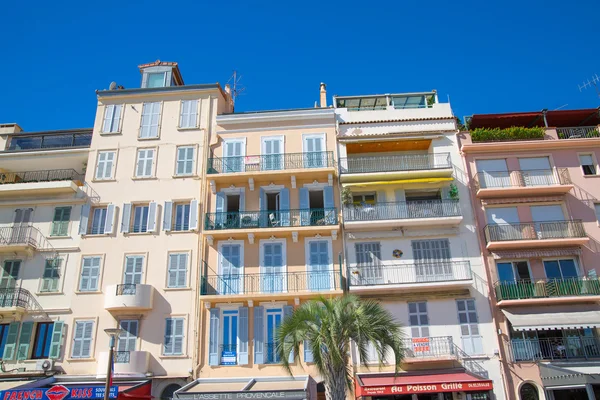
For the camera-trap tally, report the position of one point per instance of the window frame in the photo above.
(113, 167)
(185, 161)
(185, 215)
(597, 210)
(91, 340)
(418, 314)
(143, 217)
(196, 124)
(594, 163)
(275, 309)
(64, 223)
(578, 269)
(178, 270)
(3, 338)
(6, 276)
(56, 269)
(173, 337)
(113, 129)
(153, 161)
(126, 256)
(98, 278)
(141, 128)
(102, 224)
(47, 342)
(164, 79)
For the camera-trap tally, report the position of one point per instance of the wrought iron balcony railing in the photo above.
(20, 235)
(17, 297)
(529, 178)
(125, 289)
(403, 210)
(270, 219)
(395, 163)
(278, 282)
(578, 132)
(270, 162)
(534, 231)
(30, 142)
(122, 357)
(547, 288)
(52, 175)
(418, 272)
(558, 348)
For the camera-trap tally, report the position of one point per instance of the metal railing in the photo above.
(141, 227)
(418, 272)
(559, 348)
(20, 235)
(403, 210)
(125, 289)
(547, 288)
(428, 347)
(16, 297)
(270, 162)
(122, 357)
(270, 219)
(578, 132)
(393, 163)
(228, 355)
(51, 175)
(529, 178)
(534, 231)
(27, 142)
(278, 282)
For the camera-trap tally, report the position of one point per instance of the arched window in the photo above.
(528, 392)
(167, 393)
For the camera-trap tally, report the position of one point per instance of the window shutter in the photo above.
(304, 207)
(194, 215)
(108, 116)
(11, 341)
(381, 196)
(328, 197)
(183, 114)
(259, 333)
(152, 216)
(193, 110)
(287, 313)
(126, 217)
(182, 270)
(110, 219)
(168, 215)
(243, 336)
(284, 206)
(24, 340)
(87, 341)
(83, 220)
(219, 216)
(308, 355)
(178, 334)
(57, 335)
(213, 346)
(173, 263)
(168, 340)
(399, 193)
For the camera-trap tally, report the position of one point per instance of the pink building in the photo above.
(535, 185)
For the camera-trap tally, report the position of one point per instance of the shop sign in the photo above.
(424, 388)
(274, 395)
(228, 358)
(59, 392)
(420, 345)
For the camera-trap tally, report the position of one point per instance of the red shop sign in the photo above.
(423, 388)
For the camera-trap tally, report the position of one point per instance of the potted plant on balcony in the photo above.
(346, 197)
(453, 192)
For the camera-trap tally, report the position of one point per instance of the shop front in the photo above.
(571, 381)
(457, 385)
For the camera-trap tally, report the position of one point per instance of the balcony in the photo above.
(578, 132)
(296, 284)
(224, 168)
(46, 182)
(48, 141)
(16, 238)
(548, 290)
(437, 348)
(260, 221)
(420, 275)
(16, 301)
(392, 167)
(535, 234)
(497, 184)
(555, 348)
(129, 297)
(403, 213)
(126, 364)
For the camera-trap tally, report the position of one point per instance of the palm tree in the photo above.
(328, 326)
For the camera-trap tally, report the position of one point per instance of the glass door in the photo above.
(127, 340)
(319, 274)
(272, 280)
(229, 274)
(432, 260)
(369, 270)
(233, 160)
(314, 155)
(230, 336)
(272, 153)
(274, 318)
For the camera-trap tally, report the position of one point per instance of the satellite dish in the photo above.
(113, 86)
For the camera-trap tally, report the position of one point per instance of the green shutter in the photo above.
(11, 341)
(24, 340)
(57, 335)
(60, 222)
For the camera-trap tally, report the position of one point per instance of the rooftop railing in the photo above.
(578, 132)
(271, 162)
(528, 178)
(534, 231)
(30, 142)
(547, 288)
(394, 163)
(270, 219)
(51, 175)
(403, 210)
(556, 348)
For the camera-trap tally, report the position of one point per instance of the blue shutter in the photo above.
(381, 196)
(243, 336)
(83, 220)
(308, 355)
(329, 204)
(304, 207)
(259, 335)
(220, 217)
(262, 203)
(284, 207)
(11, 341)
(287, 312)
(242, 200)
(213, 342)
(399, 193)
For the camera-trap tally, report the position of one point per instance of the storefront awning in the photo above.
(536, 253)
(544, 318)
(390, 384)
(397, 182)
(570, 374)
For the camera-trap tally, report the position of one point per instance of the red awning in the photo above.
(555, 119)
(388, 384)
(140, 391)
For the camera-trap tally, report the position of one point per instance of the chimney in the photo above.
(323, 93)
(228, 89)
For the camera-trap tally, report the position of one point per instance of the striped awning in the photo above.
(536, 253)
(544, 318)
(399, 181)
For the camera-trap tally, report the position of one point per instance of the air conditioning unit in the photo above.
(44, 365)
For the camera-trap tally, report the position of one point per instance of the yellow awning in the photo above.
(400, 181)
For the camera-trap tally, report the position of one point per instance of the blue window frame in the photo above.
(230, 336)
(182, 217)
(274, 318)
(3, 337)
(43, 338)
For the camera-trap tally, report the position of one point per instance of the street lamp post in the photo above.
(112, 333)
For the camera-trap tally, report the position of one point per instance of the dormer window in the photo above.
(160, 74)
(157, 79)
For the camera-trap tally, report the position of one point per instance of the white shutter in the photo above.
(110, 219)
(194, 215)
(152, 216)
(108, 115)
(126, 218)
(101, 165)
(168, 215)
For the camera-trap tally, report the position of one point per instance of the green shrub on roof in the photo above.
(508, 134)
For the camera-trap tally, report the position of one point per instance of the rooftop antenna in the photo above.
(236, 88)
(593, 82)
(558, 108)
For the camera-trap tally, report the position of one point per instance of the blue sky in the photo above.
(487, 56)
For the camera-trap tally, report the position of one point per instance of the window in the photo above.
(510, 272)
(274, 316)
(82, 339)
(472, 342)
(134, 269)
(90, 274)
(60, 222)
(528, 392)
(587, 164)
(10, 274)
(145, 163)
(3, 337)
(319, 262)
(561, 269)
(177, 270)
(182, 217)
(98, 221)
(419, 321)
(189, 114)
(273, 278)
(140, 219)
(112, 118)
(363, 199)
(150, 120)
(368, 263)
(51, 277)
(157, 79)
(105, 165)
(43, 339)
(230, 335)
(173, 337)
(185, 160)
(127, 339)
